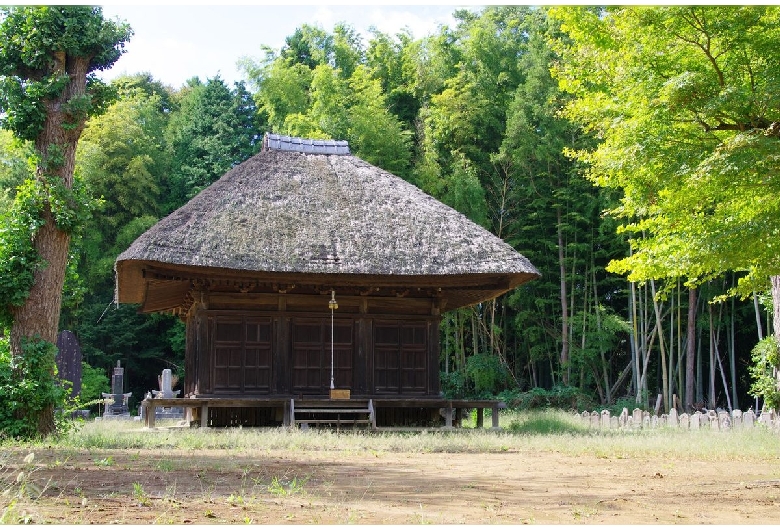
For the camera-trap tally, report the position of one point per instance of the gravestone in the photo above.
(672, 419)
(695, 420)
(637, 418)
(737, 415)
(116, 401)
(748, 418)
(166, 391)
(684, 421)
(605, 417)
(595, 420)
(724, 420)
(714, 422)
(623, 417)
(69, 361)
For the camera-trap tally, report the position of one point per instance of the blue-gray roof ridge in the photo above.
(278, 142)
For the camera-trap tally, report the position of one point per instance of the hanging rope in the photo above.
(332, 304)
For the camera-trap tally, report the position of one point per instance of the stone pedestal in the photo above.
(166, 391)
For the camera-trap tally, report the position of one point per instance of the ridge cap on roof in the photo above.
(278, 142)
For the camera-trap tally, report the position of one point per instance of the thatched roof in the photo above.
(336, 218)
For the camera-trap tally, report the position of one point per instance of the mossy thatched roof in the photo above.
(332, 216)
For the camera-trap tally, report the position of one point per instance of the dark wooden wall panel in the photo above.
(242, 355)
(284, 353)
(401, 357)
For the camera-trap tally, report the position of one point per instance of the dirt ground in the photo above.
(328, 487)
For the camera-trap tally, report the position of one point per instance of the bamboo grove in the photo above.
(496, 118)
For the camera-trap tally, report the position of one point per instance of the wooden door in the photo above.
(400, 357)
(311, 354)
(242, 355)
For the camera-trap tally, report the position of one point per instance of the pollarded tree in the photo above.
(48, 57)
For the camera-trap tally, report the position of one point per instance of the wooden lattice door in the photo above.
(311, 354)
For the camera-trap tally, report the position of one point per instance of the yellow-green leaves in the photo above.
(681, 99)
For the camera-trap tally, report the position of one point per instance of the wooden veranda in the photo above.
(291, 412)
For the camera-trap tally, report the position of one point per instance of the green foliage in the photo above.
(214, 130)
(71, 207)
(547, 422)
(121, 158)
(487, 373)
(36, 43)
(27, 387)
(93, 383)
(602, 332)
(764, 372)
(687, 134)
(286, 488)
(453, 384)
(320, 87)
(19, 260)
(16, 166)
(309, 46)
(18, 257)
(483, 377)
(558, 397)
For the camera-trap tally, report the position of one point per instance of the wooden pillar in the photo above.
(204, 415)
(362, 351)
(149, 414)
(433, 356)
(191, 355)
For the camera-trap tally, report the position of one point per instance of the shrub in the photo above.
(766, 362)
(28, 387)
(487, 373)
(453, 384)
(558, 397)
(544, 422)
(93, 382)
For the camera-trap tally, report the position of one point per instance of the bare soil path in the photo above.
(146, 486)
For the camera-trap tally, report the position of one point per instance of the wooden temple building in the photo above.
(312, 284)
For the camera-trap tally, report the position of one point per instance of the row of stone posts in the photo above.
(719, 420)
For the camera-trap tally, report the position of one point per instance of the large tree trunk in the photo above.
(56, 146)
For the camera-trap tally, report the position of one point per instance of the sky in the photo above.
(175, 42)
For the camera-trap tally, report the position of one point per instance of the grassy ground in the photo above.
(107, 472)
(534, 431)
